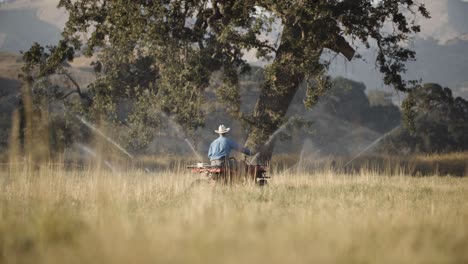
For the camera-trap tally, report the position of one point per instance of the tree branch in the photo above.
(68, 94)
(264, 45)
(77, 86)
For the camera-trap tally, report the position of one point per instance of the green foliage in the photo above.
(170, 49)
(348, 102)
(435, 122)
(140, 123)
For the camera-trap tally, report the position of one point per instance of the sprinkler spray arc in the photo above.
(254, 159)
(108, 139)
(345, 137)
(179, 131)
(122, 149)
(89, 151)
(99, 132)
(371, 145)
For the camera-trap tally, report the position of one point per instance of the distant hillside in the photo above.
(10, 68)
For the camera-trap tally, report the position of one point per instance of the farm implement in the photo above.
(232, 172)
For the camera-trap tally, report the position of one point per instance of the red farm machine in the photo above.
(232, 172)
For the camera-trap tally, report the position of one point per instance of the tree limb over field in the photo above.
(170, 48)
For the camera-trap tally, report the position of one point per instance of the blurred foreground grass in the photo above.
(87, 216)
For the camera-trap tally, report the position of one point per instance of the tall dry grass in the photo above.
(52, 215)
(447, 164)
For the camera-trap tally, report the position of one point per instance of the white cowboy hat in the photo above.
(222, 129)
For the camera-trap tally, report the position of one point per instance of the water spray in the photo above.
(179, 130)
(271, 138)
(371, 145)
(99, 132)
(193, 149)
(122, 149)
(359, 129)
(89, 151)
(301, 156)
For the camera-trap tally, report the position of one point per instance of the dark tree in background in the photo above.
(348, 101)
(348, 118)
(436, 123)
(162, 54)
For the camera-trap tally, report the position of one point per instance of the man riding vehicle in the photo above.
(221, 147)
(231, 171)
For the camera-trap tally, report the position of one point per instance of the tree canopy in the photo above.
(161, 54)
(436, 122)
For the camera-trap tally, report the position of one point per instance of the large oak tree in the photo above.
(164, 52)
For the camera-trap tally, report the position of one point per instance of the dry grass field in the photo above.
(52, 215)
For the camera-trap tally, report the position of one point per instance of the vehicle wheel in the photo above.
(262, 182)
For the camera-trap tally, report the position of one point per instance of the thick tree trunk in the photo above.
(282, 79)
(268, 117)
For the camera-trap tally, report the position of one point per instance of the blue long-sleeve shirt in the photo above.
(222, 146)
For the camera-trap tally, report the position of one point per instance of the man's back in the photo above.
(221, 147)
